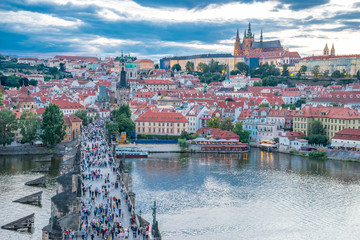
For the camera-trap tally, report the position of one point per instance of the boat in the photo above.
(130, 153)
(269, 146)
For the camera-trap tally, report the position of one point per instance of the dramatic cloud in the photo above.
(155, 28)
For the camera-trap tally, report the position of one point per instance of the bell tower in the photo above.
(237, 47)
(326, 50)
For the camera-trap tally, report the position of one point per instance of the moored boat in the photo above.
(130, 153)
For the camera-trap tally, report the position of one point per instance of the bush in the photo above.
(317, 155)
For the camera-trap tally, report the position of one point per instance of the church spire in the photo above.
(249, 30)
(244, 33)
(261, 39)
(326, 50)
(332, 52)
(237, 33)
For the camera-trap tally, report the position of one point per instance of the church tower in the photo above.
(122, 87)
(326, 50)
(332, 53)
(248, 41)
(237, 47)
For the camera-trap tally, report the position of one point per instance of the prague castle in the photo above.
(250, 46)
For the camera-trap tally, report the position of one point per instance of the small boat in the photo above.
(130, 153)
(269, 146)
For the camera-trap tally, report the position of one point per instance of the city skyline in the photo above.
(155, 29)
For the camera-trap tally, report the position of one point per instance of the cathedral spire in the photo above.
(261, 39)
(249, 30)
(326, 50)
(237, 33)
(244, 33)
(332, 52)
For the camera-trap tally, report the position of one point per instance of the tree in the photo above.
(213, 123)
(303, 69)
(243, 68)
(318, 155)
(54, 70)
(264, 105)
(8, 125)
(243, 134)
(285, 71)
(82, 114)
(33, 82)
(12, 81)
(299, 103)
(257, 84)
(156, 66)
(358, 75)
(122, 120)
(29, 124)
(203, 67)
(2, 57)
(317, 133)
(1, 95)
(326, 73)
(189, 66)
(62, 67)
(24, 81)
(185, 135)
(227, 124)
(47, 78)
(3, 80)
(53, 125)
(176, 67)
(111, 127)
(316, 71)
(336, 74)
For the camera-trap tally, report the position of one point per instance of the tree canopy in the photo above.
(121, 121)
(213, 122)
(8, 125)
(227, 124)
(243, 134)
(29, 124)
(317, 134)
(316, 71)
(189, 66)
(176, 67)
(82, 114)
(243, 68)
(53, 125)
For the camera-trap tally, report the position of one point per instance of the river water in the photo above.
(259, 195)
(14, 172)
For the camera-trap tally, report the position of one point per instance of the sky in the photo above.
(158, 28)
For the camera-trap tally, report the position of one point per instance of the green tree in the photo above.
(53, 125)
(299, 103)
(243, 134)
(264, 105)
(82, 114)
(33, 82)
(1, 95)
(243, 68)
(316, 71)
(29, 124)
(285, 71)
(227, 124)
(176, 67)
(358, 75)
(317, 133)
(326, 74)
(3, 80)
(303, 69)
(54, 70)
(213, 66)
(62, 67)
(257, 84)
(112, 127)
(336, 74)
(8, 125)
(156, 66)
(213, 123)
(12, 81)
(24, 81)
(2, 57)
(122, 119)
(189, 66)
(319, 155)
(47, 78)
(185, 135)
(123, 109)
(183, 144)
(203, 67)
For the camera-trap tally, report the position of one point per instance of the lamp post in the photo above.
(140, 218)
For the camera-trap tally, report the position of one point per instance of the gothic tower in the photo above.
(326, 50)
(122, 87)
(332, 53)
(248, 41)
(237, 47)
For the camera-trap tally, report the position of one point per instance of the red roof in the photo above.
(348, 134)
(217, 133)
(158, 81)
(68, 105)
(86, 59)
(329, 57)
(71, 118)
(328, 112)
(151, 116)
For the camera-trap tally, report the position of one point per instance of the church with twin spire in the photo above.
(249, 46)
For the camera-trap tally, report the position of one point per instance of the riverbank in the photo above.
(153, 148)
(27, 149)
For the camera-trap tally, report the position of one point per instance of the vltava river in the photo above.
(14, 172)
(258, 195)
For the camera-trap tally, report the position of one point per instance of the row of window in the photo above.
(159, 130)
(162, 124)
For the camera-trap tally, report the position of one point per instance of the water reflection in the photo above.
(259, 195)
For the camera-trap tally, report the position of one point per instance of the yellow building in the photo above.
(144, 64)
(73, 127)
(161, 123)
(334, 119)
(227, 59)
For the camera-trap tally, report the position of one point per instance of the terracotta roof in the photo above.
(71, 118)
(158, 81)
(348, 134)
(328, 112)
(330, 57)
(217, 133)
(68, 105)
(151, 116)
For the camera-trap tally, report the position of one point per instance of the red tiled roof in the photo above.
(348, 134)
(328, 112)
(68, 105)
(158, 81)
(329, 57)
(71, 118)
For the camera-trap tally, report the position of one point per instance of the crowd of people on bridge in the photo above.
(106, 204)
